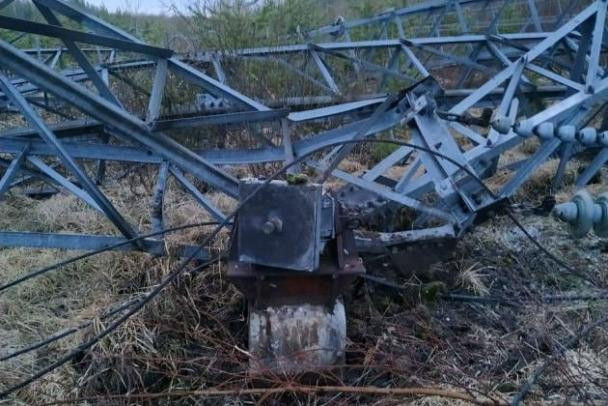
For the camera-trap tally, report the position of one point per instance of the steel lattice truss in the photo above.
(541, 73)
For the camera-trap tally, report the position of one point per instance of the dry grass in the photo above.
(193, 335)
(83, 290)
(353, 167)
(538, 183)
(471, 278)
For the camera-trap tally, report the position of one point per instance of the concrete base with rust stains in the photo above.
(296, 338)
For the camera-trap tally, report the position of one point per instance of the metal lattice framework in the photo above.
(541, 73)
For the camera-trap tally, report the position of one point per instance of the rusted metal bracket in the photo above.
(297, 321)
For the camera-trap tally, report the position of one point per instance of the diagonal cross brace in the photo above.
(11, 171)
(50, 138)
(116, 119)
(175, 65)
(80, 57)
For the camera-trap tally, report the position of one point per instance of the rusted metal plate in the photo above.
(280, 226)
(269, 286)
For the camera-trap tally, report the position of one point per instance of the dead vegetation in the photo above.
(189, 345)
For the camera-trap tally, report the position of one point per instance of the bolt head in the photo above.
(268, 227)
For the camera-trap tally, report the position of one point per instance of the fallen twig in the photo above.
(361, 390)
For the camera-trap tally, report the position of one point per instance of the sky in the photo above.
(142, 6)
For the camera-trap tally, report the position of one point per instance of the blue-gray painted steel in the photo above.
(564, 50)
(86, 242)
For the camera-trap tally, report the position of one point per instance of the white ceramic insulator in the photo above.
(524, 129)
(588, 136)
(545, 130)
(502, 124)
(566, 133)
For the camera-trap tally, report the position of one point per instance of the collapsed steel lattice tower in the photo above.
(469, 83)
